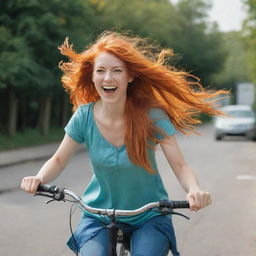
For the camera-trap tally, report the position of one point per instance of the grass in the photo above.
(30, 137)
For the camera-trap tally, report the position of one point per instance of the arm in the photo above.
(53, 167)
(186, 176)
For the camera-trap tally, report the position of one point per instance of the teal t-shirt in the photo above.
(116, 182)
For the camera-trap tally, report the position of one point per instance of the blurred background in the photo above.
(213, 39)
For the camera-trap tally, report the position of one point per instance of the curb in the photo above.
(27, 154)
(22, 155)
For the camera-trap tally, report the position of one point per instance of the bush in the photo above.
(30, 137)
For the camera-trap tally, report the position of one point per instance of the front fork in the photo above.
(113, 231)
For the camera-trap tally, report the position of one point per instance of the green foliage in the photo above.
(15, 60)
(204, 118)
(250, 33)
(249, 30)
(199, 43)
(235, 67)
(183, 27)
(30, 34)
(30, 137)
(31, 31)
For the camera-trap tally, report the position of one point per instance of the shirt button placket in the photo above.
(117, 158)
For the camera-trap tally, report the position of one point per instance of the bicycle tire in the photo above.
(121, 251)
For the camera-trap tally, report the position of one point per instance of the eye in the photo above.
(99, 70)
(117, 70)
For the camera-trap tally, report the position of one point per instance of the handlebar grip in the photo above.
(51, 191)
(174, 204)
(47, 188)
(180, 204)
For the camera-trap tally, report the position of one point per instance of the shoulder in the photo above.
(81, 115)
(157, 113)
(78, 123)
(84, 108)
(161, 120)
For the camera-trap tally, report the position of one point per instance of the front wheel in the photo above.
(121, 251)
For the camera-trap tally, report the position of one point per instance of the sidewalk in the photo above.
(22, 155)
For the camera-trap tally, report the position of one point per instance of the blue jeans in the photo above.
(154, 237)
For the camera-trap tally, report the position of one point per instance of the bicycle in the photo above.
(120, 245)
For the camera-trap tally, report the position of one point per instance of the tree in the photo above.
(249, 30)
(35, 30)
(250, 33)
(183, 27)
(16, 66)
(235, 68)
(199, 42)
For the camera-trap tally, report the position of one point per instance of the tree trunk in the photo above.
(44, 115)
(12, 111)
(64, 112)
(22, 114)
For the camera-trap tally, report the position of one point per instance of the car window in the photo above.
(240, 113)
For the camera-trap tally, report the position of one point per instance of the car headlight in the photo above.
(219, 125)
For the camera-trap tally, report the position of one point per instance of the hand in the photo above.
(30, 184)
(198, 199)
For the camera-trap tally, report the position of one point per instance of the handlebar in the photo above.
(59, 194)
(47, 188)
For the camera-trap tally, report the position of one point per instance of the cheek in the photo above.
(95, 79)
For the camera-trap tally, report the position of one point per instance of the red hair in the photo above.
(155, 84)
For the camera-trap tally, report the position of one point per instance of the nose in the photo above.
(108, 76)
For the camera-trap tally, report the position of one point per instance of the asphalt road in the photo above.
(227, 169)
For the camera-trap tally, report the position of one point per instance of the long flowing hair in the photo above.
(155, 85)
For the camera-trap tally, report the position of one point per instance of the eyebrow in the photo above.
(112, 67)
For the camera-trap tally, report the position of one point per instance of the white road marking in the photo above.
(246, 177)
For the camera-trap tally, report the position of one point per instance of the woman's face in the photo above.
(110, 77)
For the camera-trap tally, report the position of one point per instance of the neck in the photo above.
(111, 111)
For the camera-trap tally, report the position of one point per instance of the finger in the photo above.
(198, 200)
(192, 202)
(205, 199)
(34, 186)
(24, 184)
(208, 199)
(28, 184)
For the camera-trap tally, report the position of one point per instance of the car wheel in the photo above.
(251, 136)
(218, 137)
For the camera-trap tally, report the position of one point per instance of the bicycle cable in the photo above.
(71, 212)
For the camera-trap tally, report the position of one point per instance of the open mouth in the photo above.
(109, 89)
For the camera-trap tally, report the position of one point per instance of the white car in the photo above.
(240, 120)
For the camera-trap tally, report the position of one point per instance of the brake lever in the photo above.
(59, 196)
(49, 201)
(46, 194)
(167, 211)
(180, 214)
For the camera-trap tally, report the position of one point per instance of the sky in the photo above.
(229, 14)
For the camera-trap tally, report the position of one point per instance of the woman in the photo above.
(127, 101)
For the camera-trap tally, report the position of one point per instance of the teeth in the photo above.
(109, 87)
